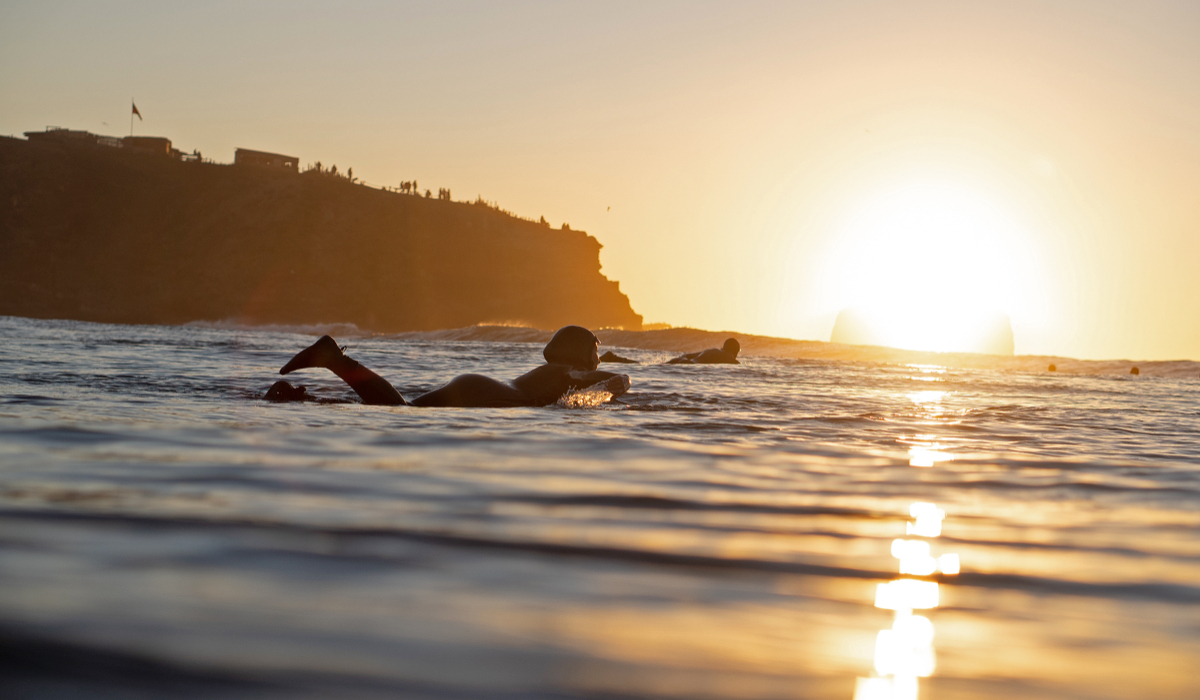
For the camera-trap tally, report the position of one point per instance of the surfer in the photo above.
(571, 362)
(724, 355)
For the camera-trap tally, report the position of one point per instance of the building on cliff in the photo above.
(150, 145)
(245, 156)
(71, 137)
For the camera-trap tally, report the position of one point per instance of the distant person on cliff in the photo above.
(571, 361)
(725, 355)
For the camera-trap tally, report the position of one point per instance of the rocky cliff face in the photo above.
(99, 234)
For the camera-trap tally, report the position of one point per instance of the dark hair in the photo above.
(732, 346)
(571, 345)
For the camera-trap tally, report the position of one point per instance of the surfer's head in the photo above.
(732, 347)
(575, 346)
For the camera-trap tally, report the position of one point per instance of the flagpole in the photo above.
(132, 102)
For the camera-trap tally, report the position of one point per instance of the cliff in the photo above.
(101, 234)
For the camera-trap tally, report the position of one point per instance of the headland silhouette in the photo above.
(135, 231)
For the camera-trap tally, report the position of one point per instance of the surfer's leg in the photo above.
(371, 388)
(473, 391)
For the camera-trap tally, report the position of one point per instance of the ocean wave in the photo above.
(346, 330)
(343, 543)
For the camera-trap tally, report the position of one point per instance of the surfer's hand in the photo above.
(616, 385)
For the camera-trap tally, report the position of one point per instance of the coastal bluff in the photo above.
(98, 234)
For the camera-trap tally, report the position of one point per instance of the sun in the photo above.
(932, 266)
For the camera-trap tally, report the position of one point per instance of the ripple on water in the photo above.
(718, 532)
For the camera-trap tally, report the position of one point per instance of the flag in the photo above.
(135, 111)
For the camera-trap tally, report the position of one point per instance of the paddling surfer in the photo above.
(724, 355)
(571, 361)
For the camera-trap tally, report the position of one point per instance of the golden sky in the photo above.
(748, 166)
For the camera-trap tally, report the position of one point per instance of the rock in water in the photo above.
(611, 356)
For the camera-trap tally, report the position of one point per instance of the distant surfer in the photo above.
(571, 361)
(724, 355)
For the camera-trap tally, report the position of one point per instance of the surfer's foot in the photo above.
(320, 354)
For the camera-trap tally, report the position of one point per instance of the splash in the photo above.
(584, 398)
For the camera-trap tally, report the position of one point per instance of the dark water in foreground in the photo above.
(721, 533)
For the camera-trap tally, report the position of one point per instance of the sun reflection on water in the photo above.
(927, 370)
(905, 652)
(926, 450)
(926, 454)
(929, 396)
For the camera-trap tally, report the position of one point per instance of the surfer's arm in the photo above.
(613, 383)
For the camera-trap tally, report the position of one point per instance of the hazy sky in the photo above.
(747, 166)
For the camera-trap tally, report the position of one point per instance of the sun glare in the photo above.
(933, 266)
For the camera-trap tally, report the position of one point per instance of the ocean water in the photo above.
(719, 532)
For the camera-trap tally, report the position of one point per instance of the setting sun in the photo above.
(933, 266)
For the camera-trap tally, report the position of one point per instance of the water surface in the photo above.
(720, 532)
